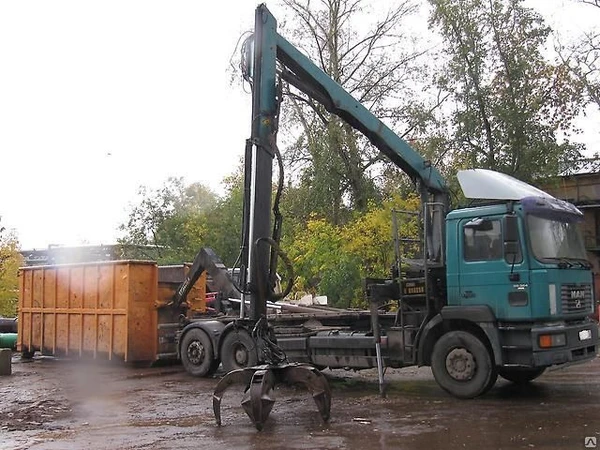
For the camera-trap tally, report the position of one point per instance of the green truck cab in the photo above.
(522, 260)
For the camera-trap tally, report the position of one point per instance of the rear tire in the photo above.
(519, 375)
(238, 351)
(197, 353)
(462, 365)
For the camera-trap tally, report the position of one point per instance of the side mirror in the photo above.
(512, 247)
(511, 229)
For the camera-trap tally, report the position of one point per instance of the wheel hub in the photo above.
(460, 364)
(240, 354)
(195, 352)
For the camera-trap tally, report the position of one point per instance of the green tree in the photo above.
(170, 223)
(10, 261)
(321, 264)
(224, 221)
(369, 236)
(333, 260)
(510, 104)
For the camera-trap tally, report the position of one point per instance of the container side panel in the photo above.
(104, 329)
(120, 337)
(50, 288)
(105, 287)
(24, 329)
(75, 325)
(89, 333)
(142, 335)
(143, 285)
(121, 286)
(38, 288)
(90, 287)
(48, 338)
(62, 333)
(36, 331)
(77, 280)
(26, 288)
(20, 311)
(62, 287)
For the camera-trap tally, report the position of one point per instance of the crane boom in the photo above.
(273, 57)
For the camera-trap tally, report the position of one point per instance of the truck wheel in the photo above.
(519, 375)
(462, 365)
(492, 381)
(238, 351)
(197, 353)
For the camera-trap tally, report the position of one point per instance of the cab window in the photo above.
(482, 240)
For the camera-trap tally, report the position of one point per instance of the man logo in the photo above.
(578, 304)
(577, 294)
(590, 442)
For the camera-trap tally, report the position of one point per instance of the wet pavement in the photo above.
(51, 404)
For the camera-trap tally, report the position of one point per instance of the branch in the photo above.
(310, 103)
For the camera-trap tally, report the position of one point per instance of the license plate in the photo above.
(584, 335)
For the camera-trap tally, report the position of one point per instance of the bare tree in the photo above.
(582, 56)
(365, 51)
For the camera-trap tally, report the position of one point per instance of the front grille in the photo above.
(576, 298)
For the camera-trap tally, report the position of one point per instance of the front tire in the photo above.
(238, 351)
(521, 375)
(197, 353)
(462, 365)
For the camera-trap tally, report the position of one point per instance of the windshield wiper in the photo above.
(583, 263)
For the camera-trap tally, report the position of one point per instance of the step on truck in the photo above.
(500, 288)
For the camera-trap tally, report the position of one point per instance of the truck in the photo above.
(501, 287)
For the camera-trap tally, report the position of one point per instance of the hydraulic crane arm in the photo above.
(299, 71)
(263, 71)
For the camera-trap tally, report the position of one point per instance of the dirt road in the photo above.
(50, 404)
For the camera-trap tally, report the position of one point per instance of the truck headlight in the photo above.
(552, 340)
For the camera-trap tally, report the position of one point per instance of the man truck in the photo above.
(499, 288)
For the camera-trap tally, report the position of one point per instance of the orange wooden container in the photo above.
(103, 310)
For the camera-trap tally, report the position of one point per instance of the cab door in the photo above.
(492, 268)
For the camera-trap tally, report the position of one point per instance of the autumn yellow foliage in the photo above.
(10, 260)
(333, 260)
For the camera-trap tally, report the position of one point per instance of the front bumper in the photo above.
(574, 350)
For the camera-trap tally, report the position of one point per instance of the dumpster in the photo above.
(102, 310)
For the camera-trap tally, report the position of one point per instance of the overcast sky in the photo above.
(100, 97)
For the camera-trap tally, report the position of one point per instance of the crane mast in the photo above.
(273, 59)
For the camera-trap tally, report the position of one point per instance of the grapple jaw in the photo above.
(258, 399)
(314, 381)
(260, 381)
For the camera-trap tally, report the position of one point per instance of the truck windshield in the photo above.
(553, 240)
